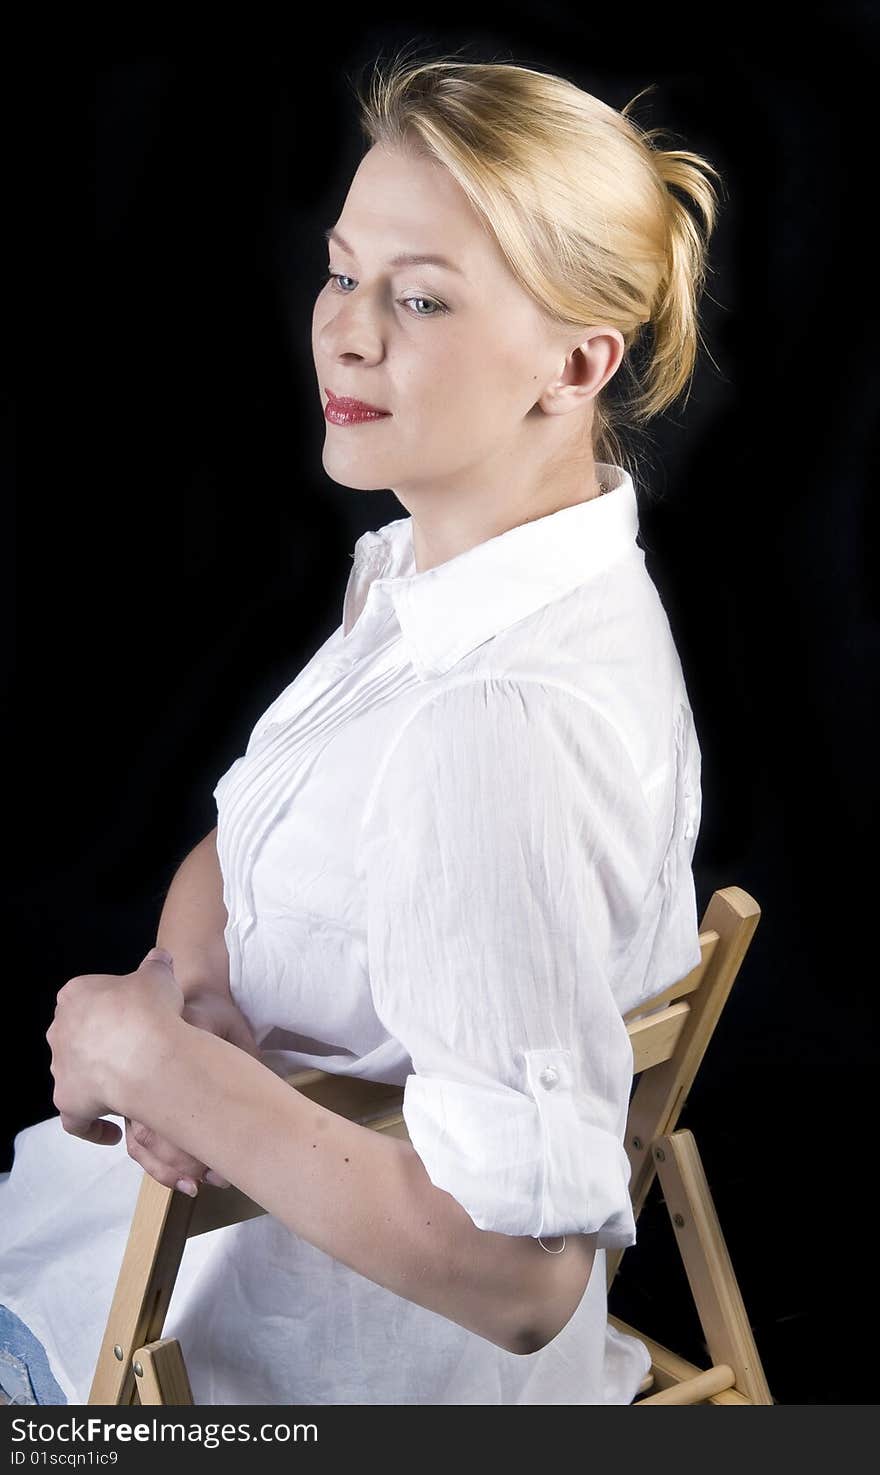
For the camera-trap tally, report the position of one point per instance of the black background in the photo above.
(176, 553)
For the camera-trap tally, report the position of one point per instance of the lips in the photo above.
(346, 405)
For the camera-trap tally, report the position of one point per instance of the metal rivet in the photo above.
(660, 1155)
(678, 1219)
(138, 1370)
(637, 1142)
(117, 1352)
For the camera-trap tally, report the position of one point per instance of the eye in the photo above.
(336, 276)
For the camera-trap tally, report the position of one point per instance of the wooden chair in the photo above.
(136, 1364)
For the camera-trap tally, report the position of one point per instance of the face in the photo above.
(482, 390)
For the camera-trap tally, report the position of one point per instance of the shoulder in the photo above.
(481, 711)
(514, 743)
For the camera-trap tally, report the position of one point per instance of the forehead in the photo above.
(398, 202)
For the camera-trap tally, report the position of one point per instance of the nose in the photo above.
(347, 333)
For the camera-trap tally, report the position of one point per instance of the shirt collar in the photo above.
(446, 612)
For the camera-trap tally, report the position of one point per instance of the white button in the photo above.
(548, 1077)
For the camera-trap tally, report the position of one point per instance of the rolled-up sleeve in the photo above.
(505, 849)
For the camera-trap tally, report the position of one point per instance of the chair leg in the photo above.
(161, 1373)
(708, 1266)
(144, 1286)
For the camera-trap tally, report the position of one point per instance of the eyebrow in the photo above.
(405, 258)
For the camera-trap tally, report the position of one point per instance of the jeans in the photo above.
(25, 1376)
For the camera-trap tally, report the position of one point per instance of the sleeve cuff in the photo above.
(523, 1163)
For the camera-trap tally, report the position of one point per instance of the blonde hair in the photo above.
(580, 201)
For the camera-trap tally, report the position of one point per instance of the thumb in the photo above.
(159, 955)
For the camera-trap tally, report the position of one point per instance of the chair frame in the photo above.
(670, 1034)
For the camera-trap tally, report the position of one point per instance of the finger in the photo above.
(104, 1133)
(161, 1159)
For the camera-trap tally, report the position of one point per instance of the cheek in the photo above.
(456, 381)
(477, 400)
(448, 404)
(454, 416)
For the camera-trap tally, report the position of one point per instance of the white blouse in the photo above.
(456, 851)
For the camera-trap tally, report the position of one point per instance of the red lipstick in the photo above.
(340, 410)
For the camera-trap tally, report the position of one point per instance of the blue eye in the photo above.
(335, 276)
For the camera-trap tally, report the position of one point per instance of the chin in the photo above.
(354, 476)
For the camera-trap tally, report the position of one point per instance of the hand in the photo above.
(217, 1013)
(103, 1025)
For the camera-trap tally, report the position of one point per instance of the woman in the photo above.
(457, 849)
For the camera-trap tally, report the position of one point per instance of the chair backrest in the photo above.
(670, 1034)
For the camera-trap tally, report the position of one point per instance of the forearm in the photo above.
(360, 1196)
(193, 921)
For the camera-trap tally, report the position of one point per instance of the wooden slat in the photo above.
(656, 1040)
(698, 1389)
(668, 1368)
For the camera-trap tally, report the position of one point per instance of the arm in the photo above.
(193, 920)
(360, 1196)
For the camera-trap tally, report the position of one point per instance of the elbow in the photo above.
(560, 1290)
(536, 1329)
(532, 1337)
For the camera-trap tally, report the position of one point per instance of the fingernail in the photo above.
(212, 1177)
(186, 1185)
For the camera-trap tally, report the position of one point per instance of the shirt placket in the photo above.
(377, 611)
